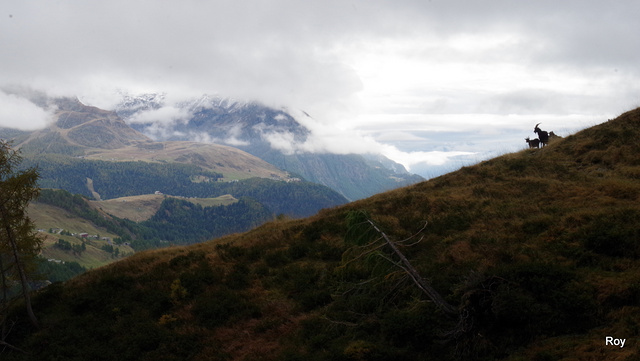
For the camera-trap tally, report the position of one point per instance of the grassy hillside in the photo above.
(136, 208)
(78, 130)
(536, 251)
(231, 162)
(46, 217)
(93, 257)
(49, 218)
(142, 207)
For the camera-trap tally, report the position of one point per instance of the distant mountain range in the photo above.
(253, 127)
(92, 133)
(92, 152)
(223, 135)
(95, 153)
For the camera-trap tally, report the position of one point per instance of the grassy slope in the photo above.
(231, 162)
(46, 217)
(93, 257)
(136, 208)
(548, 233)
(143, 207)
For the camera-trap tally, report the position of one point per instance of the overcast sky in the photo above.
(431, 84)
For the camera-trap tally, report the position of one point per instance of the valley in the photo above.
(119, 180)
(51, 221)
(55, 223)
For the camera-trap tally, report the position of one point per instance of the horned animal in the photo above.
(533, 143)
(543, 135)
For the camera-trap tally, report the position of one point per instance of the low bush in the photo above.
(541, 299)
(214, 309)
(613, 233)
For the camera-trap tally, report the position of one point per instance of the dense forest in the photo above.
(59, 272)
(177, 221)
(181, 222)
(121, 179)
(78, 206)
(117, 179)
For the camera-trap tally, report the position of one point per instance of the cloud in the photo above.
(232, 137)
(328, 139)
(283, 141)
(166, 116)
(19, 113)
(272, 51)
(297, 52)
(410, 159)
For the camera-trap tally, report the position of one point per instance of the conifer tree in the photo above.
(19, 244)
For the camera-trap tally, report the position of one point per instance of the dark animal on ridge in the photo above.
(533, 143)
(542, 135)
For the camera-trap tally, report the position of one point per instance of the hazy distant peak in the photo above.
(131, 104)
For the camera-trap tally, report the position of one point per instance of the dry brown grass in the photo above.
(231, 162)
(136, 208)
(142, 207)
(526, 211)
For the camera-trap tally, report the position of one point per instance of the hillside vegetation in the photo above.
(536, 252)
(175, 221)
(107, 180)
(50, 220)
(142, 207)
(119, 226)
(68, 216)
(230, 162)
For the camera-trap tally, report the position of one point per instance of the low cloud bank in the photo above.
(18, 112)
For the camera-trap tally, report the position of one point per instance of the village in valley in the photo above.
(88, 249)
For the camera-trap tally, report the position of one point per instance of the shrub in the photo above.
(186, 260)
(197, 279)
(229, 252)
(277, 258)
(541, 298)
(238, 278)
(214, 309)
(613, 234)
(418, 327)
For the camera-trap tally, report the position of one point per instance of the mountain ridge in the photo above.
(270, 134)
(84, 131)
(87, 126)
(92, 152)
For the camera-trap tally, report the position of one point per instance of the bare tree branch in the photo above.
(8, 345)
(415, 276)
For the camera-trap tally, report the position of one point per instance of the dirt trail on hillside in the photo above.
(95, 194)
